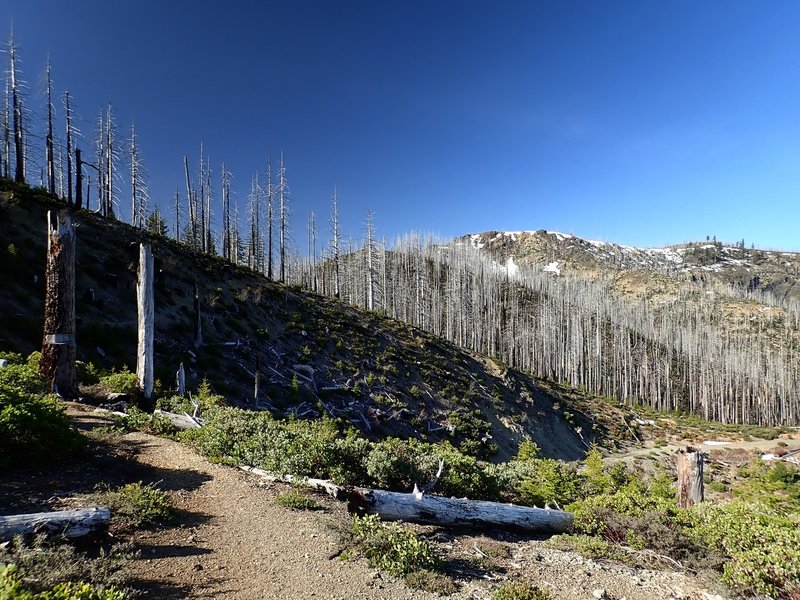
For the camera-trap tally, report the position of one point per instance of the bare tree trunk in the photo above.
(198, 325)
(16, 104)
(690, 477)
(79, 180)
(58, 346)
(69, 147)
(144, 298)
(257, 377)
(49, 147)
(180, 381)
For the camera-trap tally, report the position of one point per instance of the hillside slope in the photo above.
(387, 378)
(773, 273)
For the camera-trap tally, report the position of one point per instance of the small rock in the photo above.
(198, 567)
(600, 594)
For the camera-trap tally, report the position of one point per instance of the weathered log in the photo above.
(434, 510)
(57, 364)
(65, 523)
(437, 510)
(321, 485)
(690, 477)
(145, 312)
(183, 421)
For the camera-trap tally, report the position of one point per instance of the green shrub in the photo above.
(391, 547)
(297, 501)
(762, 546)
(120, 382)
(40, 567)
(33, 430)
(521, 591)
(11, 588)
(139, 504)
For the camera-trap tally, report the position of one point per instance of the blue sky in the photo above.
(644, 123)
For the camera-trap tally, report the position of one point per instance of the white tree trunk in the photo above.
(144, 297)
(66, 523)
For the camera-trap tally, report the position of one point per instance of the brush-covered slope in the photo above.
(386, 377)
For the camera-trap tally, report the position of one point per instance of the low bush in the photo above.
(521, 591)
(33, 429)
(139, 504)
(120, 382)
(297, 501)
(45, 569)
(392, 547)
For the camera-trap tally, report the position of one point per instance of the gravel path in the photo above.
(237, 543)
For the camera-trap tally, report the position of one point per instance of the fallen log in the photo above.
(68, 524)
(418, 507)
(437, 510)
(183, 421)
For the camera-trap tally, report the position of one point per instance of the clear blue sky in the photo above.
(632, 121)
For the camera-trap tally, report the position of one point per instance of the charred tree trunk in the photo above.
(690, 477)
(58, 346)
(198, 324)
(257, 377)
(180, 381)
(79, 180)
(144, 298)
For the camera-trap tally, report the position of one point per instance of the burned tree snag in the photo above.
(690, 477)
(256, 378)
(180, 381)
(57, 364)
(79, 181)
(198, 325)
(144, 301)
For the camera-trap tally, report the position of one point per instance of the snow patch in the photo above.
(511, 267)
(552, 268)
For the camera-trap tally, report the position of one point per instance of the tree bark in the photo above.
(145, 312)
(57, 364)
(66, 523)
(690, 477)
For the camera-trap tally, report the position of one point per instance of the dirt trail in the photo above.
(233, 541)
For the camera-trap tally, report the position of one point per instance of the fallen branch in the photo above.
(68, 524)
(183, 421)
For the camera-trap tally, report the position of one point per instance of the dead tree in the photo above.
(690, 477)
(57, 364)
(68, 109)
(144, 298)
(49, 145)
(16, 104)
(335, 242)
(197, 338)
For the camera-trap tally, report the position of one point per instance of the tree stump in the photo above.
(690, 477)
(57, 364)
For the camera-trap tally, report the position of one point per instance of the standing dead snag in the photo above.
(144, 300)
(57, 364)
(690, 477)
